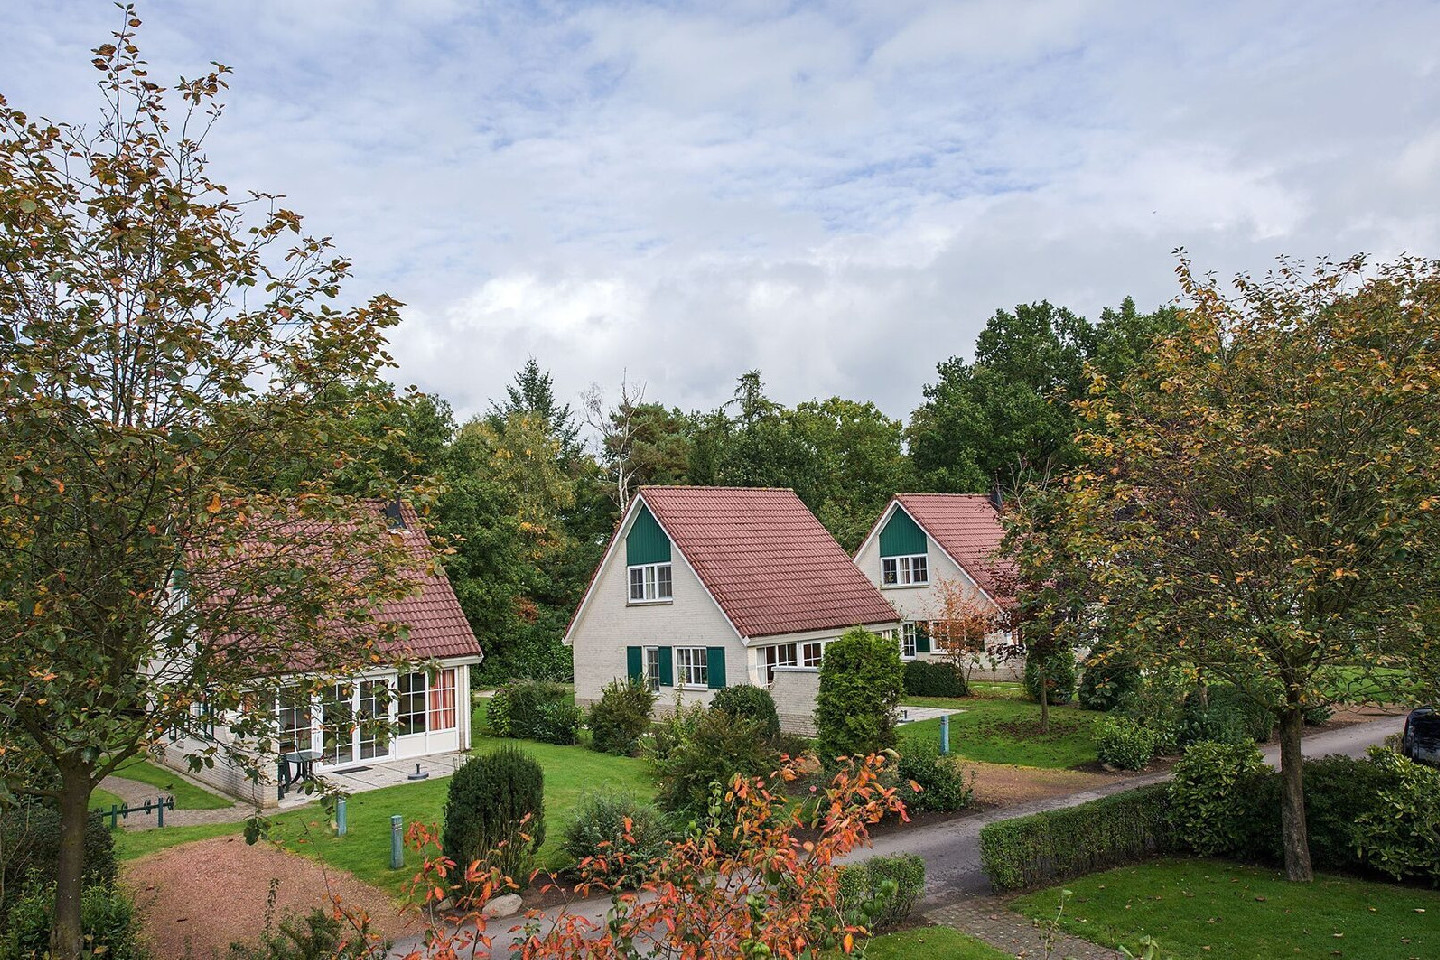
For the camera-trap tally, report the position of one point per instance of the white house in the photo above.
(707, 587)
(381, 714)
(925, 544)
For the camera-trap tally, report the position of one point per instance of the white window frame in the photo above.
(907, 571)
(812, 653)
(656, 583)
(778, 655)
(401, 698)
(909, 640)
(692, 668)
(650, 667)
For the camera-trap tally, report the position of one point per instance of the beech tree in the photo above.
(1260, 496)
(162, 349)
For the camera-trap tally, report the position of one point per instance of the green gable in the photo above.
(902, 537)
(646, 543)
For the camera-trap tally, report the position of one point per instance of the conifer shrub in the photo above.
(861, 681)
(495, 812)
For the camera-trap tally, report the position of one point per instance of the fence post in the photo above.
(945, 734)
(340, 817)
(397, 849)
(114, 816)
(160, 814)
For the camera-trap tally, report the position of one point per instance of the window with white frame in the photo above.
(650, 583)
(691, 666)
(295, 720)
(412, 691)
(909, 632)
(812, 653)
(652, 667)
(778, 655)
(905, 571)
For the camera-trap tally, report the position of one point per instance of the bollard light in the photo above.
(397, 849)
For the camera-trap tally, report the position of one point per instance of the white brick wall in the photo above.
(794, 690)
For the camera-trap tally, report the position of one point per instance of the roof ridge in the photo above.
(702, 486)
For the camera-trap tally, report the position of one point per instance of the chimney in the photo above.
(997, 499)
(395, 517)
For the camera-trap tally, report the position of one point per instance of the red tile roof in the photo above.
(967, 527)
(771, 566)
(438, 628)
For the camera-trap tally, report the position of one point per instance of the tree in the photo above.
(161, 340)
(860, 463)
(533, 393)
(1259, 499)
(618, 429)
(960, 623)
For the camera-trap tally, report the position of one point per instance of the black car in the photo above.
(1421, 741)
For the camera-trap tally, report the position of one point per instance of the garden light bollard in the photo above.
(397, 850)
(340, 817)
(945, 734)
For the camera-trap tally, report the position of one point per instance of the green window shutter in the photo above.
(715, 667)
(634, 661)
(646, 542)
(922, 638)
(667, 667)
(902, 537)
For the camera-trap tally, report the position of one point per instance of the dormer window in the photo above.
(647, 555)
(905, 571)
(650, 583)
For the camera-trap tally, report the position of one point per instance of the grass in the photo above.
(187, 795)
(1384, 685)
(103, 800)
(1208, 908)
(931, 943)
(1000, 726)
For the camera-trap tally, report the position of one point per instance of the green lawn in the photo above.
(1382, 685)
(931, 943)
(570, 772)
(103, 800)
(187, 795)
(1000, 726)
(1208, 908)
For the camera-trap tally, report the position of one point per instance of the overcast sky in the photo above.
(839, 194)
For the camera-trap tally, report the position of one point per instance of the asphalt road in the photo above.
(951, 850)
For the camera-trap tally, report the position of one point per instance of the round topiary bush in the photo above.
(861, 681)
(621, 716)
(1059, 677)
(495, 812)
(617, 834)
(750, 703)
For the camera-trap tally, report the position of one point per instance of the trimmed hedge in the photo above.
(881, 892)
(486, 810)
(934, 678)
(1046, 848)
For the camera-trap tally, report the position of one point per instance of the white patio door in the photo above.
(355, 720)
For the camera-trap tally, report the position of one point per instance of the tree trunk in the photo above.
(1044, 697)
(1292, 804)
(65, 934)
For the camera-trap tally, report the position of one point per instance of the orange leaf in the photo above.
(214, 505)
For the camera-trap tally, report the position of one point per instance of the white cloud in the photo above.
(837, 193)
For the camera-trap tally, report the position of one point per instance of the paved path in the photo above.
(991, 919)
(135, 793)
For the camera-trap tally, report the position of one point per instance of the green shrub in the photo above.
(486, 812)
(497, 713)
(535, 710)
(30, 850)
(934, 678)
(621, 717)
(1210, 796)
(861, 680)
(881, 892)
(671, 730)
(1157, 703)
(793, 746)
(1226, 714)
(1400, 834)
(108, 923)
(318, 935)
(1050, 847)
(599, 832)
(1318, 714)
(1124, 743)
(1109, 676)
(1059, 676)
(750, 703)
(718, 748)
(943, 784)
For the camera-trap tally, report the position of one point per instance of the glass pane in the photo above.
(337, 724)
(637, 583)
(663, 572)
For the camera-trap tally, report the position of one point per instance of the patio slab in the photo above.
(384, 773)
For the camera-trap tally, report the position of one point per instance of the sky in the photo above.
(837, 194)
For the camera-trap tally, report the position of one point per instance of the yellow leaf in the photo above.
(214, 505)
